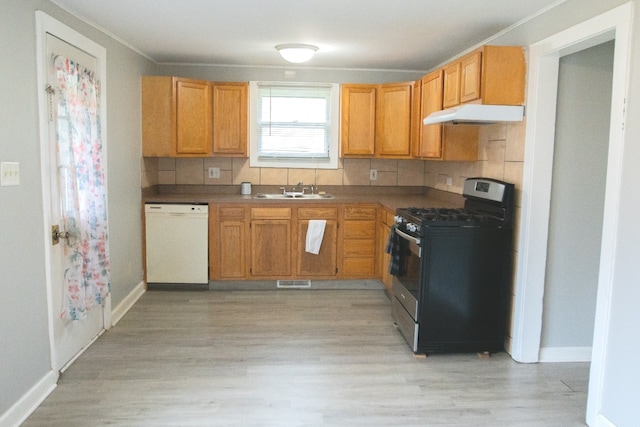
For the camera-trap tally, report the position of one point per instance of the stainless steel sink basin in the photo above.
(294, 196)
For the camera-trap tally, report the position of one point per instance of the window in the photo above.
(294, 125)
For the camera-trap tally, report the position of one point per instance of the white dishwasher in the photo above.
(177, 239)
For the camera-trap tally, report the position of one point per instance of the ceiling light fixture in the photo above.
(297, 53)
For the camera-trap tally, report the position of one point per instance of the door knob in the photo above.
(56, 234)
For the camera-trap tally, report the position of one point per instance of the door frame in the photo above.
(46, 24)
(542, 79)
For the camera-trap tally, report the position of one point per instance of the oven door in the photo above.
(406, 284)
(407, 271)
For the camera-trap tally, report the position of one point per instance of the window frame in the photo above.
(302, 162)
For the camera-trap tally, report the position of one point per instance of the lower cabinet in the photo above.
(324, 264)
(269, 243)
(384, 228)
(231, 250)
(359, 242)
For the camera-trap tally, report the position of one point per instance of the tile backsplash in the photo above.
(500, 156)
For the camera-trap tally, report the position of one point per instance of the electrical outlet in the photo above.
(214, 173)
(373, 174)
(449, 181)
(9, 173)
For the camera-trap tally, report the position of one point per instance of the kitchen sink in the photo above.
(294, 196)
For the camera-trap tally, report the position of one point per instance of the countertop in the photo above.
(390, 198)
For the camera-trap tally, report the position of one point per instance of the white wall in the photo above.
(302, 74)
(25, 358)
(620, 393)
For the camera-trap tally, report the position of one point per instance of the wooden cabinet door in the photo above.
(451, 96)
(431, 135)
(383, 257)
(193, 117)
(471, 69)
(325, 262)
(230, 119)
(228, 242)
(271, 242)
(271, 248)
(232, 252)
(358, 120)
(158, 128)
(393, 120)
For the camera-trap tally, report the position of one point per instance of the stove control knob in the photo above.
(398, 219)
(412, 227)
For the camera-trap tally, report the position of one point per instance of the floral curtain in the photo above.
(82, 189)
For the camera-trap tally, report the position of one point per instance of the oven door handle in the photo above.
(407, 236)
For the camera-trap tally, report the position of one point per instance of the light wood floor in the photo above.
(295, 358)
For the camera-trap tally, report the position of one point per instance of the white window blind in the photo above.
(294, 121)
(294, 125)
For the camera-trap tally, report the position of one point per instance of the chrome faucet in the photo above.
(298, 188)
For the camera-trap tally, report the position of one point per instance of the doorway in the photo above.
(577, 203)
(538, 169)
(64, 52)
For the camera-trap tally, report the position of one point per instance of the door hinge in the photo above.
(50, 92)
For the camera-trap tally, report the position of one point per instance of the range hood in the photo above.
(477, 114)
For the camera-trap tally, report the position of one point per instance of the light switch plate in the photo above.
(449, 181)
(9, 173)
(373, 174)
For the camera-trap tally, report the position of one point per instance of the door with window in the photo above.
(79, 266)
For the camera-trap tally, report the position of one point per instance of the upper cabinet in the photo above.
(376, 120)
(393, 120)
(490, 75)
(230, 121)
(358, 120)
(428, 139)
(438, 142)
(193, 118)
(176, 117)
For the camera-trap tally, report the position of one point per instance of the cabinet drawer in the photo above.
(361, 267)
(271, 213)
(317, 213)
(359, 229)
(355, 212)
(359, 248)
(228, 213)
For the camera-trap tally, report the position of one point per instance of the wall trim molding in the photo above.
(565, 354)
(128, 302)
(28, 403)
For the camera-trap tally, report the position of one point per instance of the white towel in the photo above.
(315, 233)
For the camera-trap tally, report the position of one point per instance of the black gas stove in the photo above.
(451, 268)
(488, 203)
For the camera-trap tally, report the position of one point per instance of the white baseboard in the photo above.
(126, 304)
(508, 344)
(28, 403)
(565, 354)
(603, 421)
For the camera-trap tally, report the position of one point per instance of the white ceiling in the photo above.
(351, 34)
